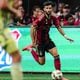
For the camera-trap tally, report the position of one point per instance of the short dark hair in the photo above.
(48, 3)
(35, 7)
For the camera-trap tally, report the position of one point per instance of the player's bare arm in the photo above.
(62, 33)
(33, 35)
(8, 5)
(15, 11)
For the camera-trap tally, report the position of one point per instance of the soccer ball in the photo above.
(56, 75)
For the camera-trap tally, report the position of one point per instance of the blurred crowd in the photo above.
(64, 13)
(66, 16)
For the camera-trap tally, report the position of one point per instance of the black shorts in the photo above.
(45, 47)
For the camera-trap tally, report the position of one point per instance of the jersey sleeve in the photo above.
(39, 19)
(55, 21)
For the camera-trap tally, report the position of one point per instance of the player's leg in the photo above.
(55, 54)
(57, 64)
(16, 71)
(32, 51)
(53, 50)
(38, 54)
(41, 54)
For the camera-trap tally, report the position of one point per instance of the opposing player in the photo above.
(6, 40)
(44, 43)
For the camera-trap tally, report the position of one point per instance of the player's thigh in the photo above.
(51, 48)
(13, 51)
(53, 51)
(41, 54)
(11, 46)
(42, 60)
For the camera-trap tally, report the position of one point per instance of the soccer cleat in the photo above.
(29, 47)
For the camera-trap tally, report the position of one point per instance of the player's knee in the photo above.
(16, 56)
(41, 60)
(41, 63)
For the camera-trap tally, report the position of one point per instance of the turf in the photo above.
(30, 76)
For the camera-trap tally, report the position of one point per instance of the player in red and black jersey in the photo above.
(43, 40)
(35, 13)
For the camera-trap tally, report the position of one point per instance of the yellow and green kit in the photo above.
(6, 39)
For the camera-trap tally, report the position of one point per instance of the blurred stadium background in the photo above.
(28, 4)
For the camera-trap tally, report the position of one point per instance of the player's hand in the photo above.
(40, 17)
(3, 4)
(15, 11)
(69, 39)
(34, 45)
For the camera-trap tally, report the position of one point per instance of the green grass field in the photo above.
(31, 76)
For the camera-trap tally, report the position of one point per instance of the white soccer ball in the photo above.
(56, 75)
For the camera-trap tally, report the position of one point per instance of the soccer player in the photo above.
(6, 40)
(44, 43)
(35, 13)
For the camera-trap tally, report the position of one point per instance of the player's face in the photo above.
(36, 12)
(48, 9)
(40, 12)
